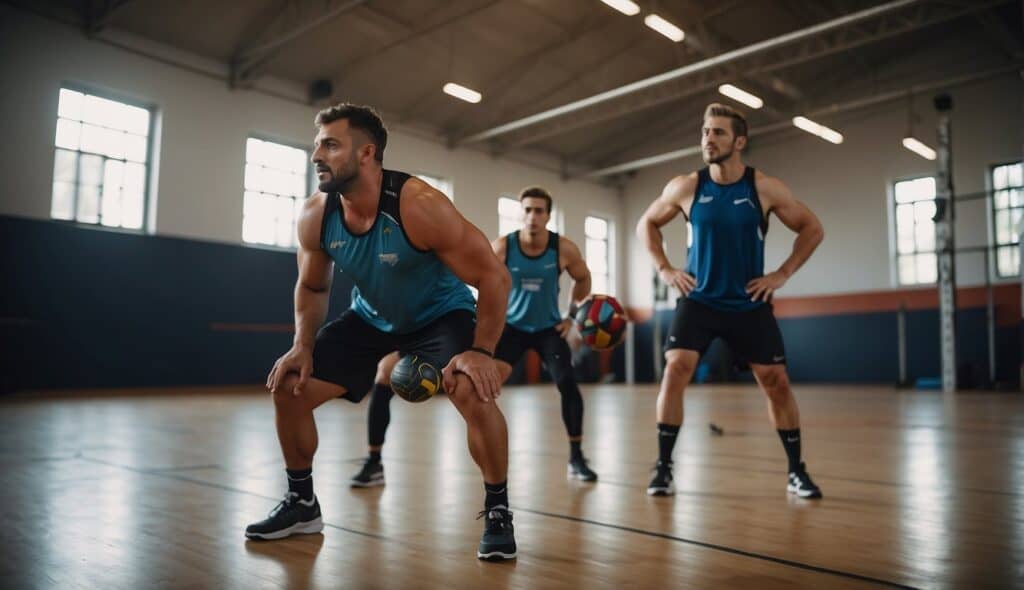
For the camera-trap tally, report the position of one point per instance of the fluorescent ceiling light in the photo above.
(626, 7)
(462, 92)
(742, 96)
(664, 27)
(919, 148)
(818, 129)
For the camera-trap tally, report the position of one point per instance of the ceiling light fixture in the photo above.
(461, 92)
(742, 96)
(818, 129)
(664, 27)
(918, 147)
(626, 7)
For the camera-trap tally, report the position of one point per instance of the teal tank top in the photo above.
(398, 287)
(533, 300)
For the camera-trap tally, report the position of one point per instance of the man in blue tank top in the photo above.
(535, 258)
(410, 254)
(725, 292)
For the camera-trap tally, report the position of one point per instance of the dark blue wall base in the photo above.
(84, 307)
(862, 347)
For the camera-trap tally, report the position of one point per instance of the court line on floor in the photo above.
(225, 488)
(712, 546)
(823, 477)
(702, 544)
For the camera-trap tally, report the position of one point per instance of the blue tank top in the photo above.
(728, 241)
(398, 287)
(533, 300)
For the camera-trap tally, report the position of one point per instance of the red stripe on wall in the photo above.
(253, 328)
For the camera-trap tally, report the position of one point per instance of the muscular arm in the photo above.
(312, 291)
(576, 266)
(676, 194)
(433, 223)
(676, 197)
(498, 246)
(794, 215)
(313, 287)
(776, 198)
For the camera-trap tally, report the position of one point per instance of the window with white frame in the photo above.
(510, 216)
(441, 184)
(277, 181)
(597, 253)
(100, 164)
(914, 201)
(1007, 208)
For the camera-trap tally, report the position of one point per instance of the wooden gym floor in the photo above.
(151, 489)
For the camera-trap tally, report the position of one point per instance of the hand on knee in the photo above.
(285, 394)
(469, 404)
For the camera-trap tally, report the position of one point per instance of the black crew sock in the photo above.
(497, 494)
(375, 456)
(791, 442)
(667, 434)
(300, 481)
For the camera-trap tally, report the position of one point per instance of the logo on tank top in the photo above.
(532, 285)
(705, 199)
(552, 265)
(744, 200)
(391, 259)
(336, 244)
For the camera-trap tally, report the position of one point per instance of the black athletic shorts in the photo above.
(753, 336)
(348, 349)
(553, 349)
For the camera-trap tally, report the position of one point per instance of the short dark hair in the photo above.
(537, 193)
(739, 122)
(361, 117)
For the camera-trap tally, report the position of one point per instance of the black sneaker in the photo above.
(800, 484)
(578, 469)
(499, 541)
(291, 517)
(372, 474)
(661, 484)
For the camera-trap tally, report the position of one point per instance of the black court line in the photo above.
(705, 545)
(723, 548)
(183, 468)
(218, 486)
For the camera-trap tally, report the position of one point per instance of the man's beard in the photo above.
(340, 181)
(721, 158)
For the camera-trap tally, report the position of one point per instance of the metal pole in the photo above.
(901, 343)
(990, 322)
(945, 244)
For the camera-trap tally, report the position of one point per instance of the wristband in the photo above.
(573, 308)
(481, 350)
